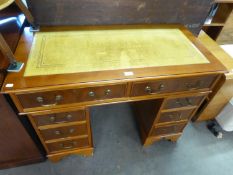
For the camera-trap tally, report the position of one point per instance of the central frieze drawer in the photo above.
(64, 132)
(60, 97)
(172, 85)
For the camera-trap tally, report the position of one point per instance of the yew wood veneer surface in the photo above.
(21, 83)
(155, 91)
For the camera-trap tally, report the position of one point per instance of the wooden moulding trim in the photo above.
(158, 125)
(59, 110)
(65, 139)
(75, 151)
(89, 129)
(61, 125)
(178, 109)
(66, 152)
(154, 138)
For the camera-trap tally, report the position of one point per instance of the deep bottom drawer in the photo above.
(166, 130)
(68, 145)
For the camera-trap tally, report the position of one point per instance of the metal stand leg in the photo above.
(215, 129)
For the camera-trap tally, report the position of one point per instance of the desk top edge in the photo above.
(21, 83)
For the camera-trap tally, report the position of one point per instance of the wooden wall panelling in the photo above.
(106, 12)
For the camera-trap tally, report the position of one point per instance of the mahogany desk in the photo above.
(165, 90)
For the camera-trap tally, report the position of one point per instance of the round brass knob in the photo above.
(57, 132)
(148, 89)
(52, 119)
(107, 92)
(69, 116)
(91, 94)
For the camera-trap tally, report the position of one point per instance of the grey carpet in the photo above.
(118, 151)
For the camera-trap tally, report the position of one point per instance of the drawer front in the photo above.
(182, 102)
(56, 118)
(174, 116)
(64, 132)
(60, 97)
(68, 145)
(172, 85)
(166, 130)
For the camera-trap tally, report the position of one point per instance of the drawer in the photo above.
(167, 130)
(60, 97)
(68, 145)
(56, 118)
(175, 116)
(172, 85)
(183, 102)
(64, 132)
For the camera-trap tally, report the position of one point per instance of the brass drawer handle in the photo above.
(91, 94)
(57, 132)
(67, 118)
(72, 145)
(149, 90)
(108, 91)
(187, 103)
(41, 101)
(196, 86)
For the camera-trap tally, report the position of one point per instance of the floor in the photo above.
(118, 151)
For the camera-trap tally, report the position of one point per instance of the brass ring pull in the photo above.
(41, 101)
(72, 145)
(149, 90)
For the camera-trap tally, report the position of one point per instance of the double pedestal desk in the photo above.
(163, 71)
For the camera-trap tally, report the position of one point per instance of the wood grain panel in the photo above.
(106, 12)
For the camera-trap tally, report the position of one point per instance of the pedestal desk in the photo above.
(162, 70)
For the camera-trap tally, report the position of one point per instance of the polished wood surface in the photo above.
(153, 92)
(22, 83)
